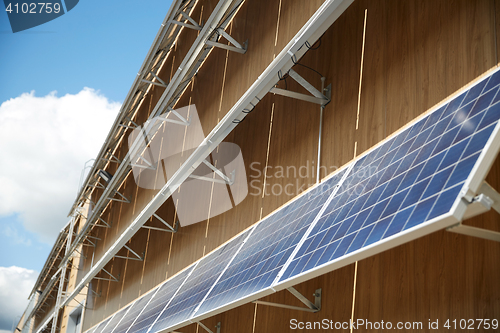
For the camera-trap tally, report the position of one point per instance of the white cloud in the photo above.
(15, 286)
(45, 142)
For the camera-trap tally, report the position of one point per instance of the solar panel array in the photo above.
(115, 320)
(411, 180)
(258, 263)
(133, 312)
(196, 286)
(158, 302)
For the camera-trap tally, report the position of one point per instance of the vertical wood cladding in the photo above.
(416, 53)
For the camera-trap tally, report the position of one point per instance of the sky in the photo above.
(61, 86)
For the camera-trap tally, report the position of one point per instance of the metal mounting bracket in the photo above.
(80, 254)
(225, 179)
(124, 198)
(136, 256)
(160, 82)
(237, 47)
(311, 307)
(106, 225)
(217, 327)
(128, 126)
(112, 279)
(321, 98)
(93, 292)
(181, 121)
(111, 158)
(488, 198)
(88, 240)
(192, 23)
(170, 228)
(148, 166)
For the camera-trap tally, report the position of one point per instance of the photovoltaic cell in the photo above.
(268, 248)
(411, 179)
(157, 303)
(197, 285)
(102, 325)
(134, 311)
(115, 320)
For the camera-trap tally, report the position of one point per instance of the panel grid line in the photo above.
(144, 308)
(173, 296)
(251, 230)
(311, 226)
(434, 155)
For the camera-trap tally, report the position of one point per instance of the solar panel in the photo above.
(197, 284)
(115, 320)
(158, 301)
(408, 186)
(134, 311)
(408, 181)
(259, 261)
(102, 325)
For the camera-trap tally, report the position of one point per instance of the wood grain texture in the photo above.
(251, 137)
(255, 22)
(416, 54)
(336, 288)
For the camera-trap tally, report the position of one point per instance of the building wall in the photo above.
(412, 55)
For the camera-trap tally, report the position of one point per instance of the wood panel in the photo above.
(292, 150)
(338, 58)
(433, 48)
(255, 22)
(293, 15)
(336, 303)
(239, 320)
(416, 54)
(251, 136)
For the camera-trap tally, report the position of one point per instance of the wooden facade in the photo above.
(388, 62)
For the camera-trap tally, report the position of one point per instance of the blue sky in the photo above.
(61, 83)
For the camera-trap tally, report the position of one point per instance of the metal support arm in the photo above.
(112, 279)
(488, 198)
(124, 198)
(169, 227)
(317, 96)
(225, 179)
(311, 307)
(217, 327)
(190, 22)
(135, 257)
(181, 120)
(148, 166)
(237, 47)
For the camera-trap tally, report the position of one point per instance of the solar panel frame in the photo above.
(239, 240)
(455, 215)
(471, 185)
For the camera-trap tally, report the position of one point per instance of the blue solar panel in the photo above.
(102, 325)
(269, 247)
(197, 285)
(115, 320)
(413, 178)
(134, 311)
(164, 294)
(410, 179)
